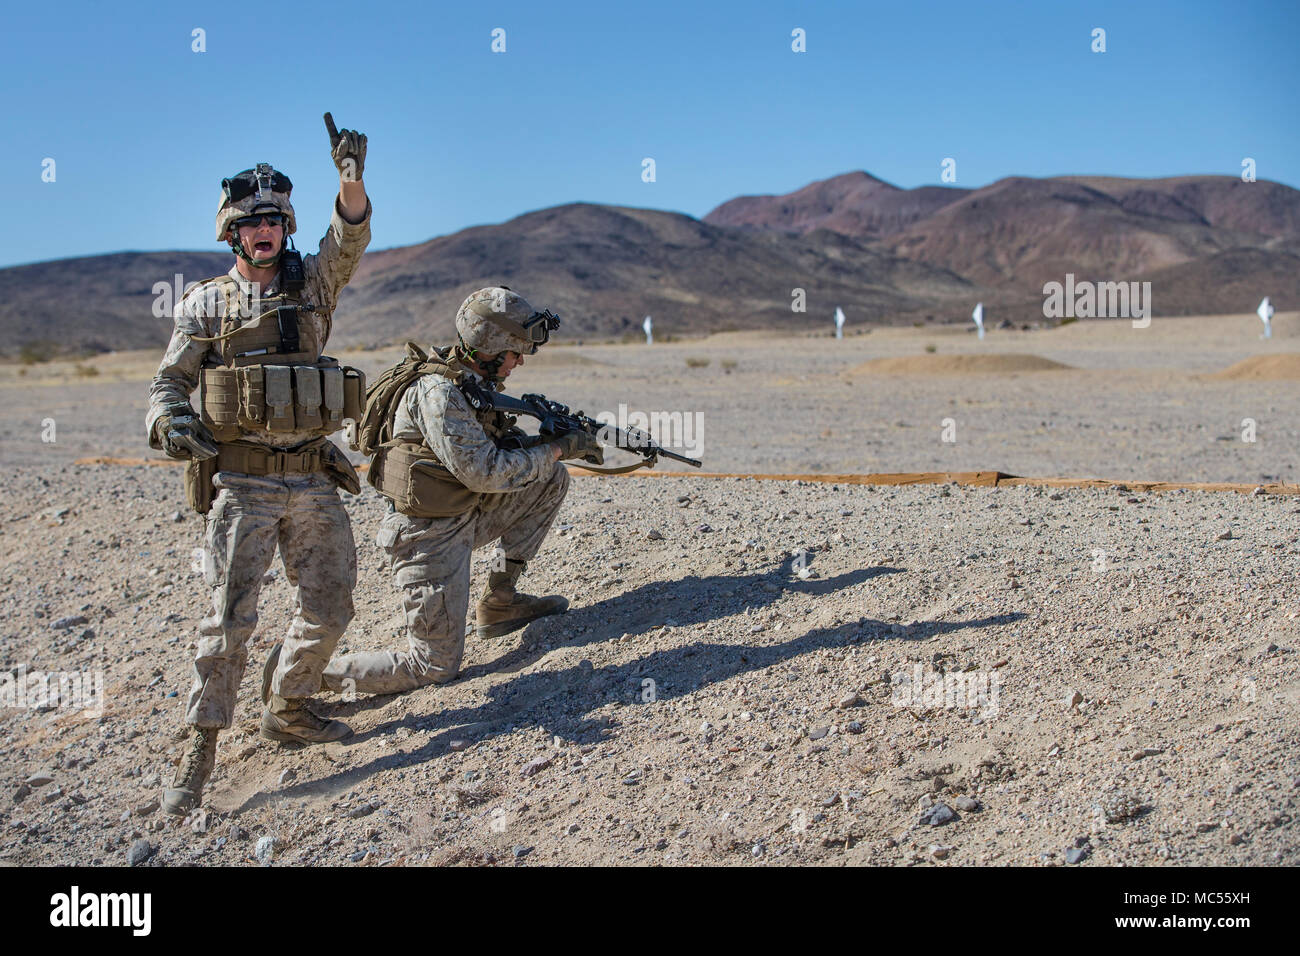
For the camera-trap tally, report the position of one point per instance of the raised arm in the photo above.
(349, 150)
(334, 264)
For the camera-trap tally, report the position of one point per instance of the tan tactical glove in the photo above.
(183, 436)
(349, 150)
(578, 444)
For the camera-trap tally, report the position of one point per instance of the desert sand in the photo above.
(1145, 404)
(736, 679)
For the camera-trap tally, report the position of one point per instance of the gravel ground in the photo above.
(736, 682)
(1134, 404)
(751, 672)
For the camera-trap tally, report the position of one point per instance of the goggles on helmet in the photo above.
(238, 188)
(537, 328)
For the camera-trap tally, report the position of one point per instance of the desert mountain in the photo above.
(1208, 244)
(1018, 233)
(855, 204)
(1260, 208)
(1234, 276)
(94, 303)
(604, 268)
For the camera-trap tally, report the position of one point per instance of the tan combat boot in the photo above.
(502, 609)
(290, 722)
(187, 789)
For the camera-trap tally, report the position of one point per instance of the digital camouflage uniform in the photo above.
(430, 557)
(298, 512)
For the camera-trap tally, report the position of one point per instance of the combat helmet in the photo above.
(262, 189)
(496, 320)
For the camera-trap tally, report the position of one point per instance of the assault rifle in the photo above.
(555, 419)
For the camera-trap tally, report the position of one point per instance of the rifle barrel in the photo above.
(665, 453)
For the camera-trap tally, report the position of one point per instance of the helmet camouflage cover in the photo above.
(242, 195)
(484, 321)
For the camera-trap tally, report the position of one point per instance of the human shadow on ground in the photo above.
(685, 602)
(558, 701)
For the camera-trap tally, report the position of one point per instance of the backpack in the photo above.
(376, 424)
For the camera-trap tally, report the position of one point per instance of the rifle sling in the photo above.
(621, 470)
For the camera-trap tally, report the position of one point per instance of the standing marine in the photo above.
(458, 479)
(259, 464)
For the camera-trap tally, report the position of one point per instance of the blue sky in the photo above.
(142, 129)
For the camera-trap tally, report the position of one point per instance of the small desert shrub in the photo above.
(33, 352)
(85, 371)
(696, 362)
(728, 364)
(930, 348)
(1068, 320)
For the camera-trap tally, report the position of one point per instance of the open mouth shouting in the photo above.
(261, 234)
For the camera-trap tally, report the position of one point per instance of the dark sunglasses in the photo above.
(272, 218)
(245, 184)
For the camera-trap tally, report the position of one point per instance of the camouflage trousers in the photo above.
(430, 560)
(301, 514)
